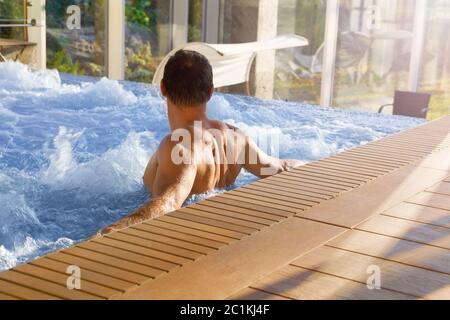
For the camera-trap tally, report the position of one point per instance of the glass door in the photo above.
(373, 53)
(12, 18)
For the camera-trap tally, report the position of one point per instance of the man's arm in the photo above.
(173, 184)
(262, 165)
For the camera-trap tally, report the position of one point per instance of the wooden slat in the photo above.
(255, 294)
(129, 255)
(301, 284)
(388, 156)
(287, 180)
(255, 200)
(433, 200)
(321, 177)
(25, 293)
(299, 199)
(4, 296)
(114, 262)
(369, 158)
(420, 213)
(200, 226)
(289, 191)
(269, 218)
(235, 219)
(403, 251)
(176, 257)
(181, 239)
(442, 188)
(234, 267)
(408, 230)
(348, 168)
(244, 205)
(253, 218)
(351, 208)
(330, 172)
(393, 276)
(95, 277)
(61, 279)
(145, 239)
(201, 218)
(46, 286)
(300, 187)
(193, 229)
(106, 269)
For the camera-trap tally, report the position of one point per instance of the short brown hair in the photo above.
(188, 78)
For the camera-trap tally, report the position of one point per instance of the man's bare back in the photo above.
(200, 154)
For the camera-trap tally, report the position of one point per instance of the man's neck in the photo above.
(186, 116)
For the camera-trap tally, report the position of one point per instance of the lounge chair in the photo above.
(411, 104)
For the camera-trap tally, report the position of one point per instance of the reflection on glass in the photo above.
(13, 12)
(299, 70)
(436, 58)
(147, 37)
(373, 52)
(238, 21)
(72, 49)
(195, 21)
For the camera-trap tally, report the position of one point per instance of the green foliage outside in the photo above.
(12, 9)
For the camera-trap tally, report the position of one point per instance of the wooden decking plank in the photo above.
(4, 296)
(324, 177)
(255, 294)
(253, 217)
(287, 180)
(395, 150)
(271, 218)
(442, 188)
(394, 276)
(286, 192)
(127, 254)
(302, 284)
(250, 206)
(419, 213)
(25, 293)
(297, 199)
(61, 279)
(361, 164)
(365, 162)
(388, 156)
(282, 242)
(99, 278)
(200, 217)
(433, 200)
(398, 250)
(177, 248)
(401, 145)
(179, 257)
(183, 235)
(201, 226)
(223, 217)
(255, 200)
(194, 230)
(114, 262)
(51, 288)
(349, 169)
(408, 230)
(351, 208)
(301, 186)
(333, 172)
(94, 266)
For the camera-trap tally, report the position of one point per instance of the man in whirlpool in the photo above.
(200, 154)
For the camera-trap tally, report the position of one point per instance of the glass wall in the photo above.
(435, 78)
(373, 53)
(298, 71)
(76, 36)
(238, 21)
(13, 12)
(195, 28)
(147, 37)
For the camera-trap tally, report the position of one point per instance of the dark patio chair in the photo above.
(411, 104)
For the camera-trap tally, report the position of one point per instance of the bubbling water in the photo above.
(73, 150)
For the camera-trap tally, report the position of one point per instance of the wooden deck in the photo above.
(311, 233)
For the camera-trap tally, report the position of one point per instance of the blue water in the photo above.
(73, 150)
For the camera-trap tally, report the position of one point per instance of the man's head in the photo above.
(188, 79)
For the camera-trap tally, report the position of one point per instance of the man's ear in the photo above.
(210, 92)
(163, 89)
